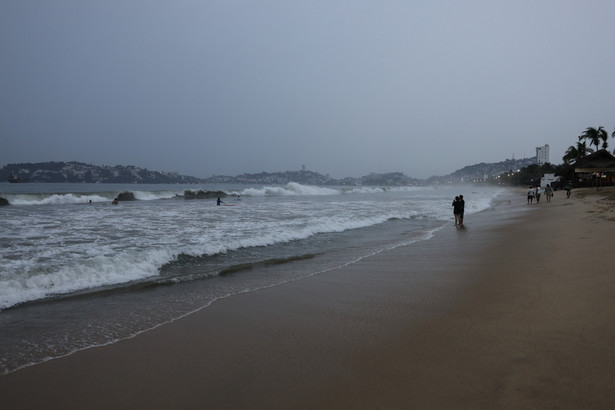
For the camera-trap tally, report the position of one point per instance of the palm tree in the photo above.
(604, 136)
(595, 136)
(574, 153)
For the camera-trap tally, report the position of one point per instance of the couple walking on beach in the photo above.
(531, 194)
(458, 208)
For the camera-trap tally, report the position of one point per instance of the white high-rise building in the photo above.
(542, 154)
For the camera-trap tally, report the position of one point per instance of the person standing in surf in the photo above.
(462, 205)
(456, 208)
(219, 201)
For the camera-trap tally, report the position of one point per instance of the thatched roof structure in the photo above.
(600, 161)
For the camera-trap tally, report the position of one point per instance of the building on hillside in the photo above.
(542, 154)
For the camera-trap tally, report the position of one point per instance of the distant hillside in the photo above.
(483, 171)
(314, 178)
(127, 174)
(272, 178)
(80, 172)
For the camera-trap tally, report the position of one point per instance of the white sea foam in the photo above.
(54, 199)
(292, 188)
(152, 196)
(60, 247)
(70, 198)
(47, 251)
(380, 190)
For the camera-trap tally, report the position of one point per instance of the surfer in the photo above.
(115, 202)
(219, 201)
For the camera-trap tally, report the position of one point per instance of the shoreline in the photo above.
(493, 325)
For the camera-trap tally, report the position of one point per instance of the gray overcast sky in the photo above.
(345, 87)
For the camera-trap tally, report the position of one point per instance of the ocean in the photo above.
(77, 274)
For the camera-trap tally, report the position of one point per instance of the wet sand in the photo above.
(514, 311)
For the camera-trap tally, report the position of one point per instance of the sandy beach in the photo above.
(515, 311)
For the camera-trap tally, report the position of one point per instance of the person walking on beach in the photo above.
(538, 194)
(462, 205)
(549, 192)
(568, 189)
(530, 195)
(456, 210)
